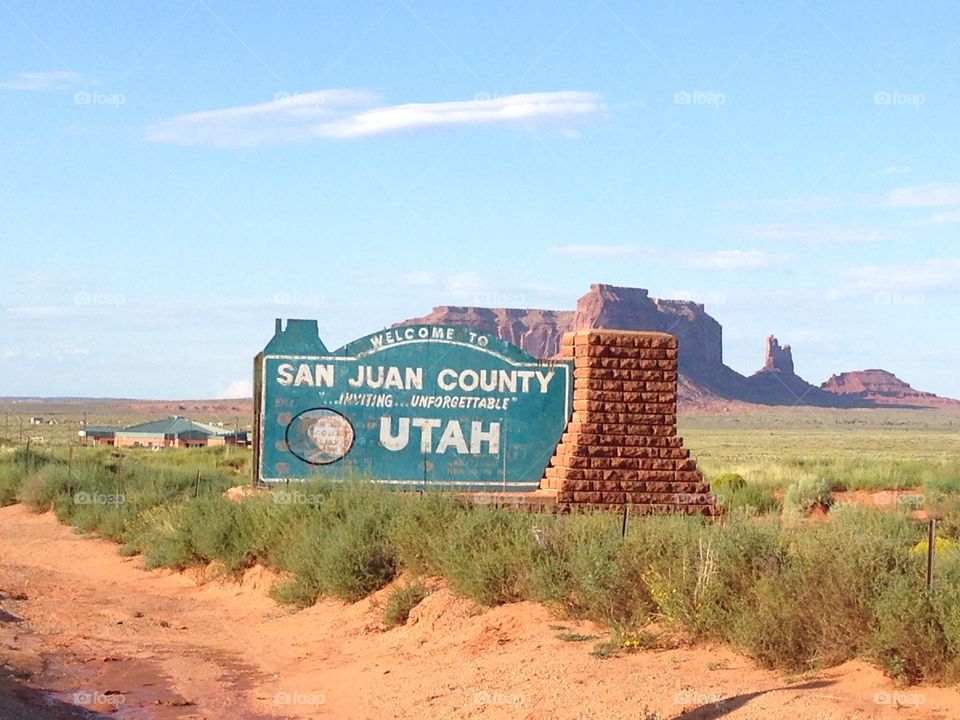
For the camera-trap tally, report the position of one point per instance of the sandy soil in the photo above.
(87, 633)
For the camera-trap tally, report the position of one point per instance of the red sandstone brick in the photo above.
(668, 341)
(613, 497)
(600, 395)
(590, 373)
(656, 476)
(616, 363)
(663, 387)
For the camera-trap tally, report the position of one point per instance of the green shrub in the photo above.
(487, 555)
(727, 483)
(943, 485)
(341, 549)
(156, 534)
(805, 495)
(749, 500)
(31, 459)
(401, 601)
(42, 488)
(910, 640)
(813, 606)
(578, 566)
(419, 526)
(11, 478)
(212, 530)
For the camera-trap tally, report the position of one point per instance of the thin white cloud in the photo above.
(799, 204)
(286, 118)
(342, 115)
(916, 276)
(733, 260)
(473, 288)
(942, 218)
(44, 81)
(508, 110)
(699, 260)
(895, 170)
(419, 277)
(923, 196)
(465, 284)
(40, 311)
(818, 234)
(596, 251)
(242, 388)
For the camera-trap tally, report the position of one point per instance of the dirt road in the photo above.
(87, 633)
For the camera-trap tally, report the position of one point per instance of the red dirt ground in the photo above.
(77, 617)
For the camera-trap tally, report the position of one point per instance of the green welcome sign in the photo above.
(419, 406)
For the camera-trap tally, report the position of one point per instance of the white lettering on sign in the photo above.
(494, 380)
(451, 437)
(426, 426)
(318, 376)
(391, 337)
(387, 378)
(460, 402)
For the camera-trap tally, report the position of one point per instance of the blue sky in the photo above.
(175, 175)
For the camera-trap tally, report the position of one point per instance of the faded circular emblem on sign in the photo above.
(320, 436)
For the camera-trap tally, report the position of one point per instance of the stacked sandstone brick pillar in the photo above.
(621, 445)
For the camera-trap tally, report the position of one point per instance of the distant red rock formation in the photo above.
(704, 380)
(882, 386)
(776, 383)
(778, 358)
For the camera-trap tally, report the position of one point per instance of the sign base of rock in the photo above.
(621, 445)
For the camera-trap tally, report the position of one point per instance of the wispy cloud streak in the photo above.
(348, 114)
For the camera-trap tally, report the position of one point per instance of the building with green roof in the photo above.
(171, 432)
